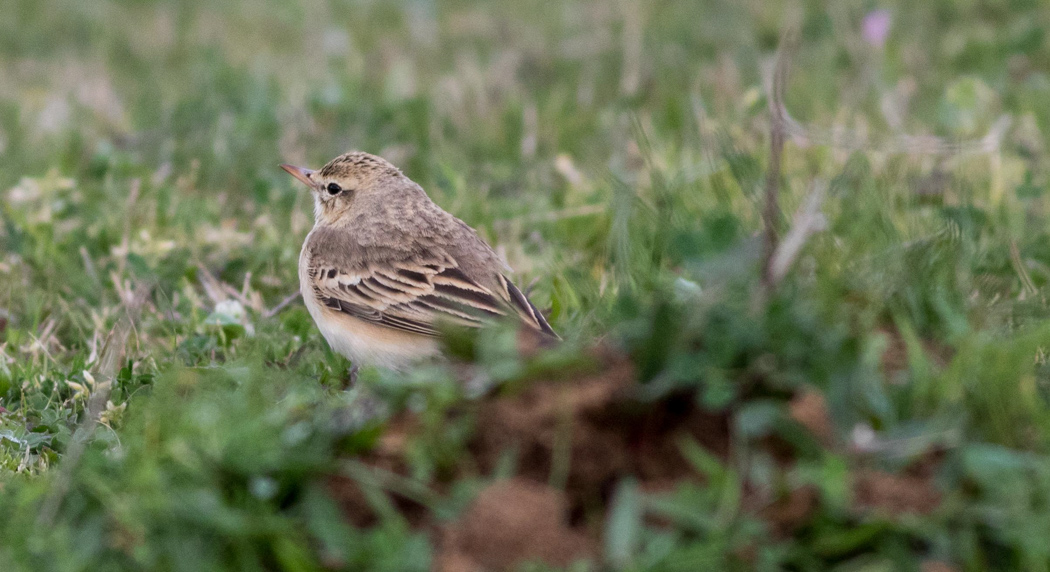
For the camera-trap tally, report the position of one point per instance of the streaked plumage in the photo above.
(384, 266)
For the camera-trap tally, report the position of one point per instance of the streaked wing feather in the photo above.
(525, 309)
(415, 294)
(364, 313)
(408, 295)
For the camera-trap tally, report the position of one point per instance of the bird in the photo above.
(385, 268)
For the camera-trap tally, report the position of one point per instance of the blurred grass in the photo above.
(614, 152)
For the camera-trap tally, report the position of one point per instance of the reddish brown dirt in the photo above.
(573, 441)
(599, 429)
(792, 511)
(509, 523)
(894, 494)
(810, 410)
(351, 500)
(359, 512)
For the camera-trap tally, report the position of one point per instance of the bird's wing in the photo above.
(524, 308)
(417, 293)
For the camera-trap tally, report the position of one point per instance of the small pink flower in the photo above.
(876, 27)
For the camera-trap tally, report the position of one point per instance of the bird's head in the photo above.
(347, 179)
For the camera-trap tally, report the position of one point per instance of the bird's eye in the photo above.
(334, 189)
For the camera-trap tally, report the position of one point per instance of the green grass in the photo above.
(615, 153)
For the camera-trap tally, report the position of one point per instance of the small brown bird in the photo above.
(384, 266)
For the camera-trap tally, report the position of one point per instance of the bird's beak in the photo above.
(300, 173)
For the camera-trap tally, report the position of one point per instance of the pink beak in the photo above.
(300, 173)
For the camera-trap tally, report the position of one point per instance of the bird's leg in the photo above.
(353, 375)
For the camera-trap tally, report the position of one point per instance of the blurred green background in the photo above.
(615, 152)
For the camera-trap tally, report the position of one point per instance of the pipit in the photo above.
(384, 267)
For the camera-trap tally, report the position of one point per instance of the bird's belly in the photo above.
(365, 343)
(362, 342)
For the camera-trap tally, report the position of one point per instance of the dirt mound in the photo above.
(895, 494)
(572, 442)
(595, 431)
(810, 410)
(509, 523)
